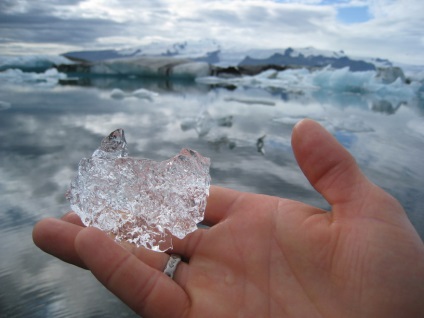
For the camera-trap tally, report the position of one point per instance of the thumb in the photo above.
(329, 167)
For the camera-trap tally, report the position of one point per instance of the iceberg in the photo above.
(140, 93)
(49, 77)
(291, 70)
(140, 201)
(382, 83)
(118, 93)
(143, 93)
(204, 123)
(388, 75)
(200, 50)
(145, 67)
(211, 51)
(32, 63)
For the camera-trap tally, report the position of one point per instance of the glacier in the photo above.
(297, 71)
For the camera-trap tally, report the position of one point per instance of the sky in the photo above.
(392, 29)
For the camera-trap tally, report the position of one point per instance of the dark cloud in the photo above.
(25, 6)
(90, 24)
(41, 28)
(39, 22)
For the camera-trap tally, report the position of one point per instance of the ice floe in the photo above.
(141, 93)
(49, 77)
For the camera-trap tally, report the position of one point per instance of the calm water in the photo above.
(46, 129)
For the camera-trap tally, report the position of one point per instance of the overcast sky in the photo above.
(391, 29)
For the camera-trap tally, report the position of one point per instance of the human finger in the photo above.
(72, 217)
(329, 167)
(219, 203)
(56, 237)
(149, 257)
(148, 291)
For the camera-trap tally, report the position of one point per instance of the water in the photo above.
(46, 129)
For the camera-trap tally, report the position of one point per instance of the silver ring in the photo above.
(172, 264)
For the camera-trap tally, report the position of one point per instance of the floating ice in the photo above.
(139, 200)
(49, 77)
(141, 93)
(204, 123)
(380, 84)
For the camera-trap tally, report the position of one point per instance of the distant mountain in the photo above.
(210, 51)
(288, 58)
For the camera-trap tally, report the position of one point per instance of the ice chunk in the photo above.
(390, 82)
(50, 76)
(139, 200)
(204, 122)
(350, 124)
(141, 93)
(113, 146)
(117, 93)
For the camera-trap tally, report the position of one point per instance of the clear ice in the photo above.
(140, 200)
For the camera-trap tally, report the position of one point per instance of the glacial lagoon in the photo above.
(49, 123)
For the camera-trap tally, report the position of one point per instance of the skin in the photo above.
(266, 256)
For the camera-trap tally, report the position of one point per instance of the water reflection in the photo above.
(246, 133)
(160, 85)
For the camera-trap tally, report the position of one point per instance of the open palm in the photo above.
(266, 256)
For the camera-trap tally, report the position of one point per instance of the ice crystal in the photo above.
(140, 200)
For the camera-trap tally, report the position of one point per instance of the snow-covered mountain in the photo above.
(210, 51)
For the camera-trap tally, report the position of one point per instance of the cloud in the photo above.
(22, 21)
(35, 28)
(96, 24)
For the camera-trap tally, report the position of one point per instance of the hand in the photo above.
(266, 256)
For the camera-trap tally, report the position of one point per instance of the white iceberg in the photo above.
(151, 66)
(49, 77)
(143, 93)
(204, 123)
(140, 93)
(327, 79)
